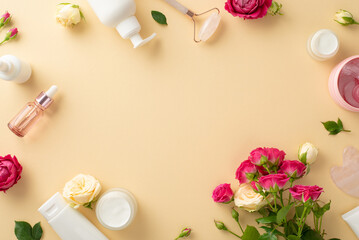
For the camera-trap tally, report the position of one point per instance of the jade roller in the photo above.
(209, 26)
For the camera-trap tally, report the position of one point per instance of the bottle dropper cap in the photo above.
(45, 98)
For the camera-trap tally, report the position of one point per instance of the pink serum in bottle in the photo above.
(32, 112)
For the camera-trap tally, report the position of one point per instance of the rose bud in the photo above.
(273, 182)
(68, 14)
(184, 233)
(293, 169)
(307, 153)
(275, 156)
(222, 193)
(5, 19)
(304, 193)
(82, 190)
(220, 225)
(344, 17)
(11, 34)
(10, 172)
(246, 172)
(275, 9)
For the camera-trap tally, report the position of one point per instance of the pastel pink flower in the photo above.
(275, 156)
(248, 9)
(273, 182)
(304, 193)
(293, 169)
(10, 172)
(222, 193)
(256, 156)
(246, 172)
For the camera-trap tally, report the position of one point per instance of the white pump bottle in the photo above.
(13, 69)
(120, 14)
(67, 222)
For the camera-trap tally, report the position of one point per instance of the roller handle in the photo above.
(178, 6)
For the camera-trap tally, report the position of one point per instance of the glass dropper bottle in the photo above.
(32, 112)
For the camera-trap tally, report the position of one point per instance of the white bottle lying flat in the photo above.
(13, 69)
(67, 222)
(120, 14)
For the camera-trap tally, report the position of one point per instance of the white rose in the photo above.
(81, 190)
(248, 199)
(344, 17)
(311, 153)
(68, 14)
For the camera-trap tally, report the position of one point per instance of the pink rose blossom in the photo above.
(261, 156)
(222, 193)
(10, 172)
(273, 182)
(275, 156)
(248, 9)
(255, 185)
(256, 156)
(246, 172)
(304, 193)
(294, 169)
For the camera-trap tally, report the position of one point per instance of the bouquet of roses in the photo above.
(267, 186)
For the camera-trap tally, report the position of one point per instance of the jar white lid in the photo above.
(116, 209)
(324, 44)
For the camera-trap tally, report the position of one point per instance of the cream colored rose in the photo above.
(344, 17)
(312, 153)
(68, 14)
(248, 199)
(81, 190)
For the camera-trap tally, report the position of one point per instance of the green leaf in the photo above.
(330, 126)
(64, 3)
(334, 239)
(274, 231)
(37, 231)
(293, 237)
(282, 213)
(266, 220)
(251, 233)
(319, 211)
(312, 235)
(23, 230)
(299, 210)
(334, 128)
(159, 17)
(291, 228)
(268, 236)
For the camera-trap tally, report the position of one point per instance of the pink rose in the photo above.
(246, 172)
(275, 156)
(258, 156)
(304, 193)
(273, 182)
(261, 156)
(222, 193)
(293, 169)
(248, 9)
(13, 33)
(255, 186)
(10, 172)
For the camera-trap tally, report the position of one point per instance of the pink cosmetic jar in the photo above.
(344, 84)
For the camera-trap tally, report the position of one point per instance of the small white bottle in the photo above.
(120, 14)
(67, 222)
(323, 45)
(13, 69)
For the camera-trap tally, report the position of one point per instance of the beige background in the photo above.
(172, 120)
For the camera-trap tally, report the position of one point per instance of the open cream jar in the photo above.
(323, 45)
(116, 209)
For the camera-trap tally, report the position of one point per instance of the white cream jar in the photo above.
(116, 209)
(323, 45)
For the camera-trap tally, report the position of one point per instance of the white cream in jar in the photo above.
(116, 209)
(323, 45)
